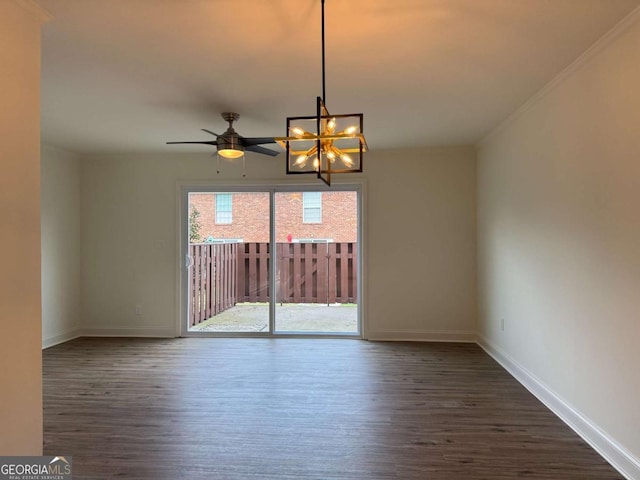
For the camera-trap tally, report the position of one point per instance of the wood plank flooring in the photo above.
(299, 409)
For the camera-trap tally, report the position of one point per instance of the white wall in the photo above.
(422, 244)
(559, 244)
(20, 319)
(61, 247)
(420, 226)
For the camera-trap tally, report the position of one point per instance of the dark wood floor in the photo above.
(299, 409)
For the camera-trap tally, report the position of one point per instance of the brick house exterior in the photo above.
(330, 215)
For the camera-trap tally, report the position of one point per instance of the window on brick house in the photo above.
(311, 207)
(223, 208)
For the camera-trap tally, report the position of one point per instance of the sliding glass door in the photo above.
(229, 264)
(270, 262)
(316, 262)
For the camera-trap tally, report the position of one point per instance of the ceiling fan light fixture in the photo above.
(230, 153)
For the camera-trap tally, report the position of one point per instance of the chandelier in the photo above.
(324, 144)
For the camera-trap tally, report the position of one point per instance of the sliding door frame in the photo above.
(183, 189)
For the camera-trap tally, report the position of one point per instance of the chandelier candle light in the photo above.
(324, 144)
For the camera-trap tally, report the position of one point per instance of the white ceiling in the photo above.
(128, 75)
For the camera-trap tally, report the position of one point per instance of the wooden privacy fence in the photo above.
(213, 272)
(316, 272)
(222, 275)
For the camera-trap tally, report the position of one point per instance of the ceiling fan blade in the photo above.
(264, 151)
(211, 142)
(209, 131)
(247, 142)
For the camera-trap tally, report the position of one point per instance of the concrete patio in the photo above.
(290, 317)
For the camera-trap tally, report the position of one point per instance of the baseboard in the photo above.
(155, 332)
(621, 459)
(61, 337)
(421, 336)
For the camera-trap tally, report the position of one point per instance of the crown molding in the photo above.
(35, 9)
(600, 44)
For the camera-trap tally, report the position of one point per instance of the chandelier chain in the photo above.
(324, 92)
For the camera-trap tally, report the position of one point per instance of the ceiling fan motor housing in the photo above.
(229, 140)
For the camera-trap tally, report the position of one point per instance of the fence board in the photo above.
(219, 249)
(227, 277)
(321, 272)
(332, 270)
(215, 280)
(241, 274)
(253, 271)
(344, 274)
(353, 272)
(207, 272)
(296, 278)
(308, 283)
(282, 263)
(233, 268)
(263, 279)
(192, 290)
(198, 302)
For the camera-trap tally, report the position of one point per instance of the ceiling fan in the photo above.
(232, 145)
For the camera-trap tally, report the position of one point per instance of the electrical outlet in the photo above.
(502, 324)
(138, 309)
